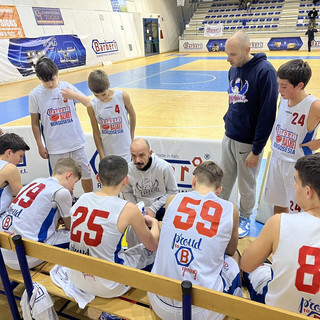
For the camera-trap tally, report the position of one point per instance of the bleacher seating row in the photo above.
(260, 26)
(236, 4)
(241, 21)
(252, 9)
(265, 15)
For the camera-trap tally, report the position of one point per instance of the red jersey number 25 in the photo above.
(76, 235)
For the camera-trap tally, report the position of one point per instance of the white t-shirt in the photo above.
(112, 117)
(60, 124)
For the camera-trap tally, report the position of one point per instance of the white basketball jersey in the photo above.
(290, 130)
(60, 124)
(5, 192)
(296, 266)
(112, 118)
(195, 232)
(94, 232)
(32, 214)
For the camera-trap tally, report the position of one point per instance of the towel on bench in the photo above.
(60, 276)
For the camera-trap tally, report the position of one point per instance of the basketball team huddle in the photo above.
(186, 236)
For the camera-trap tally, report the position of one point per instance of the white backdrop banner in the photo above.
(18, 57)
(213, 30)
(183, 154)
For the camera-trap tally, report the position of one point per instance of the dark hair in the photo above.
(295, 71)
(98, 81)
(46, 69)
(12, 141)
(112, 170)
(308, 168)
(209, 173)
(64, 165)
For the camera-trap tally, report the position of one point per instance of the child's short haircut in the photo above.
(209, 173)
(64, 165)
(308, 168)
(12, 141)
(295, 71)
(46, 69)
(98, 81)
(112, 170)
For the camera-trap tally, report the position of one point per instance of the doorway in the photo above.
(151, 36)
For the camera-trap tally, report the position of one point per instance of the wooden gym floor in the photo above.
(174, 95)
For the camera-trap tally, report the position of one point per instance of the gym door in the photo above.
(151, 36)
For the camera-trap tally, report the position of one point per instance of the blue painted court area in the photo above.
(159, 76)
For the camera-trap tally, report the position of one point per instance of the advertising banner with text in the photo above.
(10, 24)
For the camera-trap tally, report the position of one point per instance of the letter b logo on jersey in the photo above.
(184, 256)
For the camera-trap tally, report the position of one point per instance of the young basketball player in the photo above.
(292, 281)
(105, 217)
(36, 210)
(60, 124)
(199, 234)
(12, 150)
(294, 134)
(108, 109)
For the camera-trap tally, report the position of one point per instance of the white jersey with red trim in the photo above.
(5, 192)
(61, 127)
(33, 213)
(195, 232)
(94, 232)
(296, 263)
(112, 117)
(290, 130)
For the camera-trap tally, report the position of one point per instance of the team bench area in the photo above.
(134, 304)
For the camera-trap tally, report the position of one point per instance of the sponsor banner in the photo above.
(19, 56)
(287, 43)
(215, 30)
(10, 24)
(216, 45)
(66, 51)
(119, 5)
(256, 44)
(184, 155)
(47, 16)
(103, 47)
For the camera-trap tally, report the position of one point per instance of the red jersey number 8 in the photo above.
(75, 235)
(204, 214)
(309, 262)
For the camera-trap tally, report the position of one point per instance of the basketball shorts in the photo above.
(279, 189)
(60, 238)
(77, 155)
(257, 282)
(170, 309)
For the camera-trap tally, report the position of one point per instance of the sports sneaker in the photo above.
(244, 227)
(108, 316)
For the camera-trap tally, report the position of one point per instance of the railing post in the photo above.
(17, 240)
(186, 299)
(8, 289)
